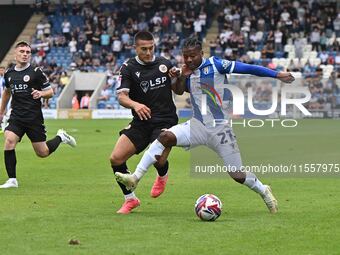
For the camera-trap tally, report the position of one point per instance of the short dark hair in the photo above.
(192, 42)
(22, 43)
(143, 35)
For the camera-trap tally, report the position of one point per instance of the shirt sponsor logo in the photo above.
(153, 84)
(145, 86)
(225, 63)
(18, 88)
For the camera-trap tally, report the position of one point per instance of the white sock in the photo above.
(148, 159)
(254, 183)
(12, 179)
(129, 196)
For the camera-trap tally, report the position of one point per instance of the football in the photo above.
(208, 207)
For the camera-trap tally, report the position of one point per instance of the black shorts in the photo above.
(35, 131)
(142, 133)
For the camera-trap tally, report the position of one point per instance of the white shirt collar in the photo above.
(21, 68)
(143, 63)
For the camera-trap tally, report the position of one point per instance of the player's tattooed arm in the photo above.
(142, 110)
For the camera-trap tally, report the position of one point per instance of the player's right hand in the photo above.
(175, 72)
(285, 77)
(142, 111)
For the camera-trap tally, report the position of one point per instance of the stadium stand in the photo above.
(298, 36)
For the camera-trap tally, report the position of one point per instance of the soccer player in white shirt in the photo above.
(203, 129)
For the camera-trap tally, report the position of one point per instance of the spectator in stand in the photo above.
(336, 25)
(40, 30)
(268, 51)
(278, 40)
(337, 58)
(66, 29)
(96, 40)
(73, 46)
(324, 57)
(315, 39)
(85, 101)
(165, 22)
(76, 9)
(64, 7)
(178, 28)
(156, 20)
(47, 29)
(75, 102)
(187, 28)
(294, 67)
(64, 80)
(125, 37)
(88, 31)
(323, 41)
(116, 45)
(88, 48)
(105, 93)
(203, 18)
(220, 21)
(105, 40)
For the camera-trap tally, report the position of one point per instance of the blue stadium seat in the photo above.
(101, 105)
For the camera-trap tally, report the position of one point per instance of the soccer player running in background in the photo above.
(27, 85)
(196, 75)
(145, 87)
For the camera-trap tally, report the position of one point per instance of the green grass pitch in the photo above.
(72, 195)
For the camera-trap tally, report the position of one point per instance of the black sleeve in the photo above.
(42, 79)
(169, 64)
(124, 79)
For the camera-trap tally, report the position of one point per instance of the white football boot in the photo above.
(129, 180)
(270, 200)
(66, 138)
(10, 183)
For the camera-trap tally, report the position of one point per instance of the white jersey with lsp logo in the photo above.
(207, 89)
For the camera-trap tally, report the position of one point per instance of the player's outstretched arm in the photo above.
(261, 71)
(142, 110)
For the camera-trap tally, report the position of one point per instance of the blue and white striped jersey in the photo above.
(206, 87)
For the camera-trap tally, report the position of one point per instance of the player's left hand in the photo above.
(285, 77)
(36, 94)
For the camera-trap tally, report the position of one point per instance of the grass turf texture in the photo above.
(70, 195)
